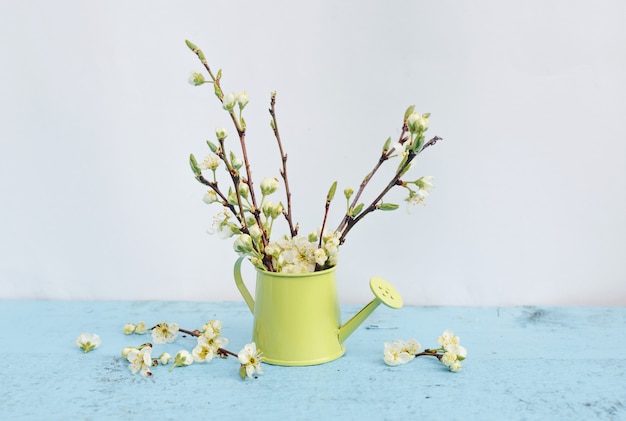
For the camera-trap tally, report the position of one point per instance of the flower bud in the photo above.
(236, 162)
(417, 122)
(129, 328)
(210, 197)
(244, 190)
(126, 350)
(243, 244)
(164, 358)
(242, 99)
(221, 133)
(270, 210)
(269, 186)
(141, 328)
(196, 79)
(348, 193)
(232, 197)
(228, 103)
(255, 231)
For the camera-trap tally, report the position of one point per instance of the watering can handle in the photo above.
(241, 286)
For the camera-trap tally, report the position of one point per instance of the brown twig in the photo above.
(283, 172)
(430, 353)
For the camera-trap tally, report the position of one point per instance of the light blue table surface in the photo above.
(523, 363)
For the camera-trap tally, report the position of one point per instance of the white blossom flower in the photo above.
(129, 328)
(164, 333)
(401, 149)
(425, 183)
(222, 225)
(208, 346)
(202, 352)
(88, 342)
(140, 360)
(448, 338)
(450, 360)
(212, 328)
(250, 359)
(425, 186)
(320, 256)
(269, 186)
(457, 349)
(412, 347)
(211, 162)
(395, 353)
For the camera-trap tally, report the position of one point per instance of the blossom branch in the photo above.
(241, 130)
(234, 176)
(215, 188)
(351, 221)
(386, 154)
(283, 172)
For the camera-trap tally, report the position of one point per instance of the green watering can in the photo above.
(297, 320)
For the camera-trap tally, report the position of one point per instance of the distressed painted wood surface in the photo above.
(523, 363)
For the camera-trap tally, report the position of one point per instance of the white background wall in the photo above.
(97, 120)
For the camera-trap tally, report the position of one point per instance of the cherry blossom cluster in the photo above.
(209, 344)
(450, 352)
(251, 219)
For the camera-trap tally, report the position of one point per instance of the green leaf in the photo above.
(212, 146)
(331, 193)
(388, 206)
(357, 210)
(408, 112)
(201, 56)
(387, 145)
(242, 371)
(191, 45)
(218, 91)
(194, 165)
(219, 75)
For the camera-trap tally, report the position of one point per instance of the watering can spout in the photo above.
(384, 293)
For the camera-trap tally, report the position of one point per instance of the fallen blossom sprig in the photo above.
(209, 344)
(450, 352)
